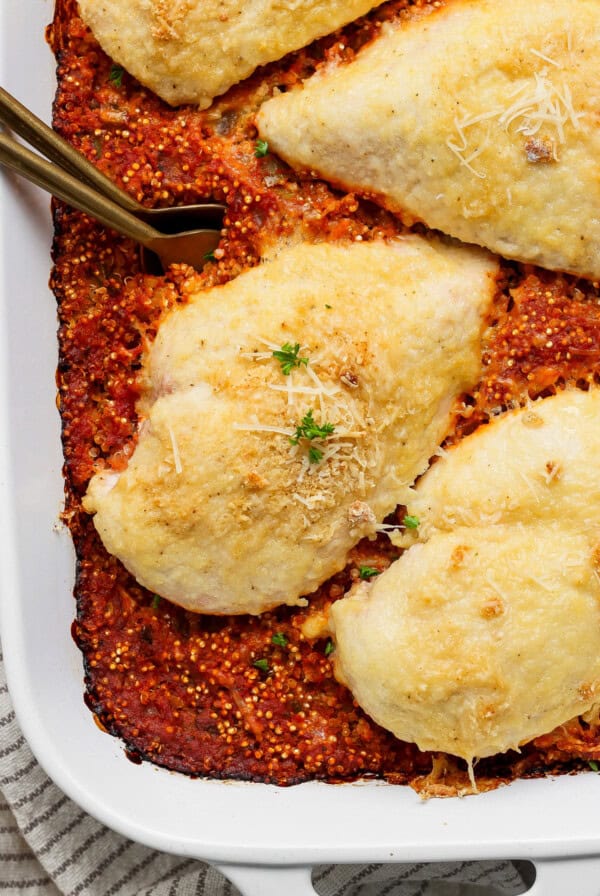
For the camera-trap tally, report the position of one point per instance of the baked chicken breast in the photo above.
(287, 413)
(480, 119)
(189, 51)
(478, 640)
(486, 632)
(534, 464)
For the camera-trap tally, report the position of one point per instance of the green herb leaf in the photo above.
(315, 455)
(263, 665)
(287, 356)
(329, 648)
(155, 601)
(328, 306)
(411, 522)
(209, 256)
(593, 765)
(279, 639)
(367, 572)
(261, 148)
(309, 429)
(115, 76)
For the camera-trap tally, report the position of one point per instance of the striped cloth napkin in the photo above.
(49, 846)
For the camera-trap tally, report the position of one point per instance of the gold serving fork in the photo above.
(163, 233)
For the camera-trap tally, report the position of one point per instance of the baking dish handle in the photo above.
(258, 880)
(559, 877)
(554, 877)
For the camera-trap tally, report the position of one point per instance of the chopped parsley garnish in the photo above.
(329, 648)
(287, 356)
(209, 256)
(328, 306)
(115, 76)
(279, 639)
(411, 522)
(261, 148)
(263, 665)
(155, 601)
(367, 572)
(310, 430)
(593, 765)
(315, 455)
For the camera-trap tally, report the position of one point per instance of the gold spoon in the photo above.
(163, 233)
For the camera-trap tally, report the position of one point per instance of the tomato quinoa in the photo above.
(247, 697)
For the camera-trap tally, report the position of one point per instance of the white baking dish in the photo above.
(240, 827)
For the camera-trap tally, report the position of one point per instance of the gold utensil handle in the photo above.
(27, 125)
(71, 190)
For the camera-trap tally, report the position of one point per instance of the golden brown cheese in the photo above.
(217, 510)
(480, 119)
(478, 640)
(189, 52)
(533, 464)
(486, 634)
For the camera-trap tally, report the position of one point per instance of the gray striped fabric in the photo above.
(48, 846)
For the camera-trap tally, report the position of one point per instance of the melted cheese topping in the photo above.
(479, 119)
(478, 640)
(534, 464)
(218, 510)
(487, 633)
(190, 52)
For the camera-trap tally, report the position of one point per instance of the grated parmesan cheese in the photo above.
(175, 449)
(535, 104)
(344, 452)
